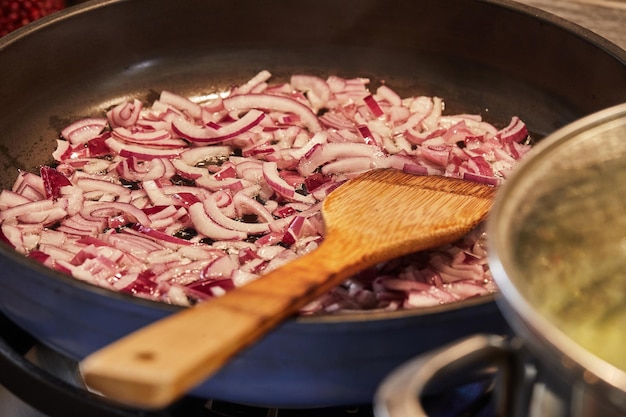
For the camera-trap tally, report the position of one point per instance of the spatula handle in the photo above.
(152, 367)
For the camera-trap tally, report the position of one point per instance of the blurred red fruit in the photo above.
(17, 13)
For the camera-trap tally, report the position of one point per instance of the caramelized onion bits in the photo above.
(181, 200)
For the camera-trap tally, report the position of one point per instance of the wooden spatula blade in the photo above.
(401, 213)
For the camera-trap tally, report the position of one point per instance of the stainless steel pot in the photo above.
(495, 57)
(557, 253)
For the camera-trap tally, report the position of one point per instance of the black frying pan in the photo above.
(491, 57)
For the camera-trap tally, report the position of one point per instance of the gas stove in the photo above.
(39, 382)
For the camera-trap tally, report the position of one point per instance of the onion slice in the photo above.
(209, 135)
(275, 103)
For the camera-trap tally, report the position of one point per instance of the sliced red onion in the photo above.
(11, 199)
(194, 156)
(30, 186)
(160, 138)
(387, 94)
(211, 208)
(41, 206)
(251, 84)
(78, 226)
(97, 147)
(156, 194)
(159, 168)
(246, 205)
(53, 180)
(294, 230)
(350, 165)
(337, 121)
(322, 154)
(144, 201)
(437, 154)
(318, 91)
(125, 114)
(141, 152)
(276, 103)
(209, 135)
(280, 186)
(483, 179)
(82, 131)
(212, 184)
(208, 227)
(161, 236)
(373, 106)
(108, 209)
(515, 132)
(181, 103)
(101, 185)
(367, 135)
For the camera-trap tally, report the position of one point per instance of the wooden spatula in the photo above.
(374, 217)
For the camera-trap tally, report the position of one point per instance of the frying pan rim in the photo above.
(344, 318)
(546, 17)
